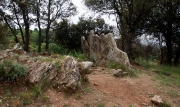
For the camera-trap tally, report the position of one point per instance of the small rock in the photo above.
(95, 84)
(144, 104)
(157, 100)
(117, 73)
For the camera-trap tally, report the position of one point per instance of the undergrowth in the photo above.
(11, 70)
(168, 76)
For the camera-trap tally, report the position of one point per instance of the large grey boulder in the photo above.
(41, 72)
(103, 50)
(70, 75)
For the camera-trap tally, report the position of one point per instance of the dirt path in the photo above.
(105, 89)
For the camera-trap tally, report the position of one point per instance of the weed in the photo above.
(16, 56)
(78, 55)
(12, 70)
(84, 79)
(173, 93)
(78, 97)
(15, 103)
(88, 89)
(132, 73)
(58, 65)
(26, 98)
(165, 104)
(36, 91)
(114, 65)
(8, 92)
(132, 105)
(87, 105)
(100, 105)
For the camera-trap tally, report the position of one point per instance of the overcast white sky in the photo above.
(83, 11)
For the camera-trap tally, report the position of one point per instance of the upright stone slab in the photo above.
(103, 50)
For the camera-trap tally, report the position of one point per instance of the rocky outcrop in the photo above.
(65, 73)
(71, 73)
(41, 72)
(103, 49)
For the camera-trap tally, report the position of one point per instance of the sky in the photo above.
(84, 11)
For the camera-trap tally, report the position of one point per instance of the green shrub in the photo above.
(114, 65)
(26, 98)
(54, 48)
(37, 91)
(78, 55)
(10, 70)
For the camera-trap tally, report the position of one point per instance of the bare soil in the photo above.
(105, 89)
(102, 90)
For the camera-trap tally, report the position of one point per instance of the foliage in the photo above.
(163, 24)
(26, 98)
(37, 91)
(78, 55)
(69, 35)
(54, 48)
(11, 70)
(115, 65)
(16, 14)
(132, 73)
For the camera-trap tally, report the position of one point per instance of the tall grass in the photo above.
(168, 75)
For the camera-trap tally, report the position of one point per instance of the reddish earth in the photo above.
(102, 89)
(105, 89)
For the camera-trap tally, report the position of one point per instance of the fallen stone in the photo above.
(117, 73)
(95, 84)
(157, 100)
(85, 67)
(18, 49)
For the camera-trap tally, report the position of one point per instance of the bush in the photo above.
(10, 70)
(115, 65)
(78, 55)
(54, 48)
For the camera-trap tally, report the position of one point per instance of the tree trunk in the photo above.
(39, 26)
(47, 38)
(13, 32)
(17, 18)
(176, 59)
(128, 46)
(168, 38)
(48, 26)
(26, 22)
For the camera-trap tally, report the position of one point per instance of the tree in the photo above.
(15, 11)
(38, 17)
(8, 18)
(163, 22)
(129, 14)
(25, 13)
(55, 9)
